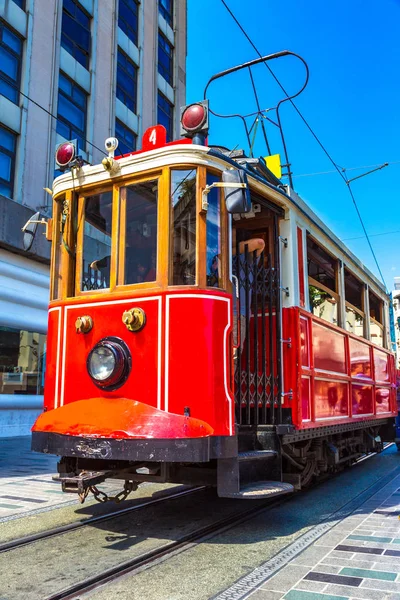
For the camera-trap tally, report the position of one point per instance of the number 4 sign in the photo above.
(154, 137)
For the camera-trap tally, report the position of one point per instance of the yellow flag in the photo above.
(274, 164)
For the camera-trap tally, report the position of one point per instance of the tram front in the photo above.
(139, 358)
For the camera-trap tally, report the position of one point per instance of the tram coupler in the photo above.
(80, 484)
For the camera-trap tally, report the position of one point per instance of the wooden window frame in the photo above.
(80, 234)
(118, 258)
(315, 283)
(348, 304)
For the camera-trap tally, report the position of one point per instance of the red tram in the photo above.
(176, 354)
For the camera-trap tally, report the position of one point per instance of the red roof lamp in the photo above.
(65, 154)
(194, 120)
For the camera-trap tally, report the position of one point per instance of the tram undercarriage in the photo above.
(257, 463)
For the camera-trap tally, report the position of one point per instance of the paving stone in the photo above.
(310, 556)
(357, 593)
(369, 573)
(311, 586)
(370, 538)
(265, 595)
(303, 595)
(390, 586)
(359, 564)
(286, 578)
(331, 578)
(325, 568)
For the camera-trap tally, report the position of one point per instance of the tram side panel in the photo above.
(199, 358)
(334, 378)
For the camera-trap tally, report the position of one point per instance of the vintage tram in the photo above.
(177, 354)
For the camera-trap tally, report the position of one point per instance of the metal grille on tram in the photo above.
(258, 358)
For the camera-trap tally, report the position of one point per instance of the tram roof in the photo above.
(185, 153)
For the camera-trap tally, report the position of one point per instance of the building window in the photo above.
(322, 282)
(20, 3)
(71, 117)
(8, 142)
(165, 53)
(75, 32)
(165, 8)
(22, 361)
(128, 19)
(354, 295)
(10, 63)
(165, 111)
(126, 138)
(126, 81)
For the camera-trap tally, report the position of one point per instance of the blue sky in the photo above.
(352, 48)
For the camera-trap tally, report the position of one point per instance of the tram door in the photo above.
(257, 318)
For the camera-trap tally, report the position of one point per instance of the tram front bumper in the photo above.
(123, 429)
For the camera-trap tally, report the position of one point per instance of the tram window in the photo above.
(354, 295)
(322, 282)
(139, 253)
(376, 319)
(96, 255)
(214, 273)
(183, 227)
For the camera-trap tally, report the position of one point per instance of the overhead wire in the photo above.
(340, 170)
(390, 162)
(371, 235)
(56, 118)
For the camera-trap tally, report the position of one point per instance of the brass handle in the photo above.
(83, 324)
(134, 319)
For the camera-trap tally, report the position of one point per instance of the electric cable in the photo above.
(338, 169)
(56, 118)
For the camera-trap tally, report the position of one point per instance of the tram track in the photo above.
(149, 559)
(145, 557)
(30, 539)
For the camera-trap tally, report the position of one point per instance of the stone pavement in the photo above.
(25, 479)
(26, 485)
(353, 558)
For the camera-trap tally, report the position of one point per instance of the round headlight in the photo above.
(109, 363)
(101, 363)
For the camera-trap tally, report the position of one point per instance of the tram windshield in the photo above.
(96, 255)
(138, 233)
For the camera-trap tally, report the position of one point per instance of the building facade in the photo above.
(69, 69)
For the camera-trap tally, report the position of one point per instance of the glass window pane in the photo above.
(321, 265)
(7, 139)
(12, 41)
(5, 190)
(213, 223)
(22, 361)
(183, 226)
(141, 232)
(65, 84)
(8, 64)
(354, 322)
(96, 259)
(323, 305)
(5, 166)
(70, 112)
(7, 90)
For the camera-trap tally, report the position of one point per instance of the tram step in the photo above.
(256, 455)
(261, 490)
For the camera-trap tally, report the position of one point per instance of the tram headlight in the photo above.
(109, 363)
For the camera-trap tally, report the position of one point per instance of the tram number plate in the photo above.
(154, 137)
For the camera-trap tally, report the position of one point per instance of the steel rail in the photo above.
(146, 559)
(172, 548)
(30, 539)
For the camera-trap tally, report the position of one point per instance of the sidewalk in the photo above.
(351, 558)
(26, 479)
